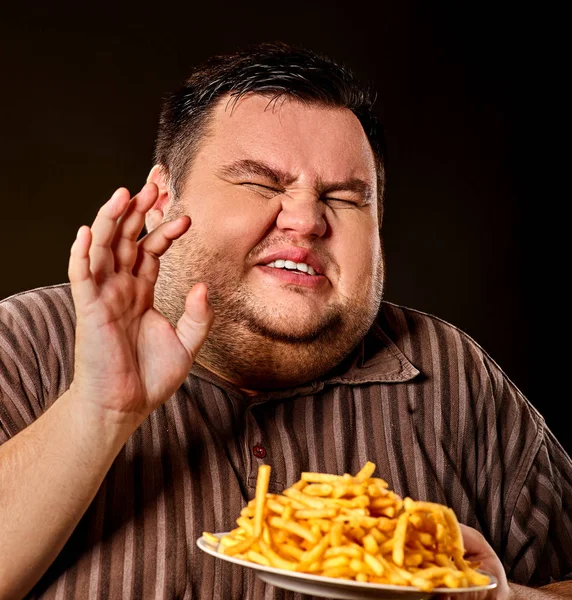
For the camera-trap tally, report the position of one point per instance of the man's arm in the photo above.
(49, 474)
(128, 361)
(554, 591)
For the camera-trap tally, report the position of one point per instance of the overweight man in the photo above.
(247, 327)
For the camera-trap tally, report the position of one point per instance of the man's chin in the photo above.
(296, 330)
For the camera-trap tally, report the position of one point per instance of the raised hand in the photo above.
(128, 357)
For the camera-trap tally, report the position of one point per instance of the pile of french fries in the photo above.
(351, 527)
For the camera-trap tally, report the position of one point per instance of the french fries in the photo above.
(351, 527)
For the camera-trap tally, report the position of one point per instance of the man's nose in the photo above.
(302, 213)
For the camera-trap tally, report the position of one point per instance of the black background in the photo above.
(466, 96)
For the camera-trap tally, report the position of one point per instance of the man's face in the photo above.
(285, 234)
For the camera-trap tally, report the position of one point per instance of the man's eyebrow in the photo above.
(255, 168)
(359, 186)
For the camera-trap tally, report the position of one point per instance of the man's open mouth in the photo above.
(290, 265)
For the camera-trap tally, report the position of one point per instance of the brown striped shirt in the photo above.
(418, 397)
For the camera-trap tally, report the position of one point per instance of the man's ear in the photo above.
(155, 216)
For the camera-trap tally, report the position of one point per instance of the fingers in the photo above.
(155, 244)
(129, 227)
(113, 244)
(103, 231)
(83, 286)
(194, 325)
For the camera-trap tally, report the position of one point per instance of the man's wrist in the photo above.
(109, 425)
(554, 591)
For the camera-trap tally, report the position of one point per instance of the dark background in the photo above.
(466, 95)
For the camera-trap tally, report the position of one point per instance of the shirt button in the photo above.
(259, 451)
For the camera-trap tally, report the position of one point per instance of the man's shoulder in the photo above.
(39, 320)
(57, 291)
(413, 328)
(443, 352)
(44, 306)
(37, 337)
(432, 344)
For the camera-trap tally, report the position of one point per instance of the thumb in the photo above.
(196, 321)
(473, 540)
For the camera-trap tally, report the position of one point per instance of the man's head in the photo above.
(275, 71)
(282, 184)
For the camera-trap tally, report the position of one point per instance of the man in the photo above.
(136, 416)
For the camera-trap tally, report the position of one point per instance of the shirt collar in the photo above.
(376, 359)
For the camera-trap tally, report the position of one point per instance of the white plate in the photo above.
(328, 587)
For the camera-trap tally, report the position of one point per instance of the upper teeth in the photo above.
(290, 264)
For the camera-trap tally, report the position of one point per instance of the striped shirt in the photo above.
(418, 397)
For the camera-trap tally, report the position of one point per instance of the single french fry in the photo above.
(473, 576)
(210, 538)
(374, 564)
(316, 513)
(275, 506)
(290, 551)
(413, 559)
(451, 580)
(335, 561)
(442, 560)
(370, 544)
(239, 548)
(382, 502)
(310, 477)
(336, 534)
(318, 489)
(426, 539)
(399, 539)
(385, 524)
(299, 485)
(246, 524)
(350, 551)
(307, 501)
(287, 512)
(256, 557)
(275, 559)
(377, 535)
(417, 520)
(388, 511)
(315, 554)
(340, 489)
(366, 471)
(338, 573)
(261, 490)
(455, 529)
(294, 528)
(381, 483)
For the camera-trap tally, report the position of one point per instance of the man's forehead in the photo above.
(270, 110)
(290, 130)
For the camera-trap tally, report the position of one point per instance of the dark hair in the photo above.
(273, 70)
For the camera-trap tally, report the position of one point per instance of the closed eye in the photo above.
(342, 203)
(265, 190)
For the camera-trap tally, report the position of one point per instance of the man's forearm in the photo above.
(49, 474)
(554, 591)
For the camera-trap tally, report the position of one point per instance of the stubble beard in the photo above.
(253, 345)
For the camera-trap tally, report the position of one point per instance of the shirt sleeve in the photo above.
(36, 355)
(539, 545)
